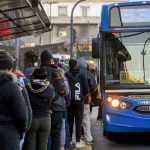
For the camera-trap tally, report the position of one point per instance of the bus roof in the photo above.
(22, 18)
(128, 16)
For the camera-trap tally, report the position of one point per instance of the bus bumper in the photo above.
(126, 123)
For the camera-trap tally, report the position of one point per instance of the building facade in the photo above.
(85, 21)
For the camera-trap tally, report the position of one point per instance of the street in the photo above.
(101, 143)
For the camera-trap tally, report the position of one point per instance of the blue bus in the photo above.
(122, 49)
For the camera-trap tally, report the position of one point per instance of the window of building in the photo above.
(62, 11)
(85, 11)
(61, 31)
(84, 31)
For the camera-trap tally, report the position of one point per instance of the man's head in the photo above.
(82, 63)
(73, 64)
(6, 61)
(46, 57)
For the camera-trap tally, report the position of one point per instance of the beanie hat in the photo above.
(6, 61)
(46, 55)
(82, 63)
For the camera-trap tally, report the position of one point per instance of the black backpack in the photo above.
(75, 86)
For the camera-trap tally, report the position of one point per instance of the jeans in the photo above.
(67, 142)
(55, 130)
(49, 143)
(67, 138)
(63, 134)
(21, 142)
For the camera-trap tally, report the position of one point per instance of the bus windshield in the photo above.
(127, 57)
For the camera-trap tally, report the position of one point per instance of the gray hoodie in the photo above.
(83, 65)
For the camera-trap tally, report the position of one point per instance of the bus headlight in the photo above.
(123, 105)
(115, 103)
(118, 104)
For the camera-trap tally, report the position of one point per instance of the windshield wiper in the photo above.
(143, 54)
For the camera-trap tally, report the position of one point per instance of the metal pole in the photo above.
(50, 20)
(71, 28)
(17, 52)
(88, 36)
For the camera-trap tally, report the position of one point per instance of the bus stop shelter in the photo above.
(20, 18)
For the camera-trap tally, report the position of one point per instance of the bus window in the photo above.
(117, 55)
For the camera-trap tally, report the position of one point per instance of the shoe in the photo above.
(72, 142)
(79, 145)
(89, 142)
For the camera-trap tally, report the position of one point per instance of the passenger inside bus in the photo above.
(116, 57)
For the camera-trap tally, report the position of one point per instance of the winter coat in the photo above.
(13, 109)
(41, 95)
(58, 103)
(27, 101)
(83, 65)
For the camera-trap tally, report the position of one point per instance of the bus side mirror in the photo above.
(96, 47)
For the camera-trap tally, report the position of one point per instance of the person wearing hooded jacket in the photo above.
(58, 104)
(13, 109)
(83, 65)
(79, 90)
(41, 94)
(22, 88)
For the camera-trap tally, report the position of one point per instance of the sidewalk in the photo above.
(93, 119)
(87, 147)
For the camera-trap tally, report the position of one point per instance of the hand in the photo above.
(89, 99)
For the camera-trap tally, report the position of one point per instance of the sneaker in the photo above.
(79, 145)
(89, 142)
(72, 142)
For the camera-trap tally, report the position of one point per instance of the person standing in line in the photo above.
(41, 94)
(58, 104)
(83, 65)
(13, 109)
(79, 90)
(22, 88)
(29, 71)
(65, 133)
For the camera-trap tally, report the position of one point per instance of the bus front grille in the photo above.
(142, 109)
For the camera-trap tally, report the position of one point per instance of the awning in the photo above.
(22, 18)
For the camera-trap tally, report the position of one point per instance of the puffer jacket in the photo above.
(13, 109)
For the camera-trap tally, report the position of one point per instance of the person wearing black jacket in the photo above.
(13, 109)
(27, 101)
(41, 94)
(79, 91)
(58, 104)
